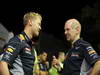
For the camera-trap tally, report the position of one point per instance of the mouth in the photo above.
(67, 37)
(39, 30)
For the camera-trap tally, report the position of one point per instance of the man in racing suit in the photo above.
(17, 58)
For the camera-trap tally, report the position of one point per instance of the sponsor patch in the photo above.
(91, 52)
(75, 54)
(28, 49)
(9, 50)
(21, 37)
(11, 47)
(89, 48)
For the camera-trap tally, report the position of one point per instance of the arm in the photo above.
(44, 73)
(4, 68)
(92, 58)
(37, 71)
(56, 63)
(11, 52)
(96, 68)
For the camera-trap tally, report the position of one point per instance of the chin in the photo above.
(36, 34)
(68, 39)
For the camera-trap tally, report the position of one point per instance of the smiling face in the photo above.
(32, 22)
(43, 56)
(36, 26)
(72, 29)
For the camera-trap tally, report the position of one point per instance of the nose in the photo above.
(65, 32)
(40, 27)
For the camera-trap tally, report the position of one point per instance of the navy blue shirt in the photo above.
(18, 54)
(43, 67)
(80, 51)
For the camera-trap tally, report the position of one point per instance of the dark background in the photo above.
(54, 14)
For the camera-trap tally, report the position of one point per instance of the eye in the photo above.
(67, 29)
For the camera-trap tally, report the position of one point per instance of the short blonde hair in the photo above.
(31, 16)
(74, 23)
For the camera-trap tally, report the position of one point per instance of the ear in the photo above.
(78, 28)
(30, 22)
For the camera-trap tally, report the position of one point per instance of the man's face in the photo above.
(36, 27)
(62, 57)
(44, 56)
(70, 32)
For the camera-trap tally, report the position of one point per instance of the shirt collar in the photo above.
(24, 36)
(77, 42)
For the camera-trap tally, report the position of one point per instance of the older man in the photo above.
(81, 57)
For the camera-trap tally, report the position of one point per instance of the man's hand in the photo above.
(47, 64)
(55, 61)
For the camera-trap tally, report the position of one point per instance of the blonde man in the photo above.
(17, 58)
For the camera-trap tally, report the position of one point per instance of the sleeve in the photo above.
(91, 55)
(11, 51)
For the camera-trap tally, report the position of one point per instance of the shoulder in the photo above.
(86, 45)
(15, 41)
